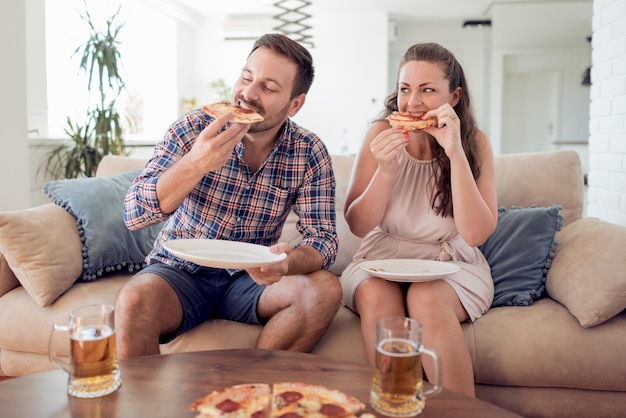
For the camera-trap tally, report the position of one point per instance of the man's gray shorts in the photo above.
(210, 293)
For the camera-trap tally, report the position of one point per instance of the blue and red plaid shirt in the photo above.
(235, 204)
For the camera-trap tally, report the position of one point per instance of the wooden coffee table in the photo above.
(165, 385)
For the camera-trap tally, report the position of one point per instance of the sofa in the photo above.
(553, 350)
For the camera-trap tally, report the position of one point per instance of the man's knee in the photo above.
(327, 288)
(147, 303)
(146, 296)
(131, 295)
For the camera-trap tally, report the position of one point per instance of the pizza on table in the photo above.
(278, 400)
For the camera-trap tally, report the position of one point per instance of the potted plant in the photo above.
(101, 133)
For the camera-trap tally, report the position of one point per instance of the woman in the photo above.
(428, 194)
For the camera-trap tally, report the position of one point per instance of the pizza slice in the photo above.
(242, 115)
(409, 122)
(297, 399)
(250, 400)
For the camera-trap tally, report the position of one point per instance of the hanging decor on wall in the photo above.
(292, 20)
(587, 73)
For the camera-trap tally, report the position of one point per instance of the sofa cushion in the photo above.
(348, 242)
(25, 328)
(341, 341)
(42, 250)
(111, 165)
(97, 203)
(543, 345)
(586, 275)
(541, 179)
(520, 252)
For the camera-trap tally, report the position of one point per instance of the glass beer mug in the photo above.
(92, 366)
(397, 387)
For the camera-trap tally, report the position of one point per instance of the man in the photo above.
(214, 179)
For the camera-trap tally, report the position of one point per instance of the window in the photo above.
(149, 65)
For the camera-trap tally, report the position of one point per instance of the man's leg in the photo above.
(298, 310)
(145, 308)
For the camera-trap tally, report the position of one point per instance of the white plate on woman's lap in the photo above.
(222, 253)
(409, 270)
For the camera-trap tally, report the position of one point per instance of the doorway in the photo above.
(530, 112)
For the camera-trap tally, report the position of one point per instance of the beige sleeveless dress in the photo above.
(409, 229)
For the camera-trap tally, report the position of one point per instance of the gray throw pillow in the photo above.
(520, 252)
(97, 203)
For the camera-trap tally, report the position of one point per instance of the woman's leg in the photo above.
(374, 299)
(436, 305)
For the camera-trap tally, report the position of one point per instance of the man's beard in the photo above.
(270, 123)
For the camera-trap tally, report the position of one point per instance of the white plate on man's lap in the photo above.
(409, 270)
(222, 253)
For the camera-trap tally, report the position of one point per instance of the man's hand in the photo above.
(213, 148)
(209, 152)
(267, 275)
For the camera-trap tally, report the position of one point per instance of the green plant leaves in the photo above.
(101, 133)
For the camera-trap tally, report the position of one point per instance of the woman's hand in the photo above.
(386, 146)
(447, 132)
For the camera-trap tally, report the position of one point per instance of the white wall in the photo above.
(607, 192)
(14, 158)
(544, 104)
(350, 68)
(356, 62)
(351, 76)
(607, 143)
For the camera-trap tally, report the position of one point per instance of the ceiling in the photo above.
(453, 11)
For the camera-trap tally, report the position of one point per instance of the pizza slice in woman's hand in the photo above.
(409, 122)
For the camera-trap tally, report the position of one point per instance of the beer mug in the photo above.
(92, 366)
(397, 387)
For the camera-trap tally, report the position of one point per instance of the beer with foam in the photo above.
(92, 365)
(94, 360)
(397, 386)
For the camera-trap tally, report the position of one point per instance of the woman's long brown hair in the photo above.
(434, 53)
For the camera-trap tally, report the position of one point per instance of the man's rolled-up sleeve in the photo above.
(141, 205)
(315, 207)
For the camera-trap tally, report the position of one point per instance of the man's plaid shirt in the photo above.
(235, 204)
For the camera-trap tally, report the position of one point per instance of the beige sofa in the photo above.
(535, 360)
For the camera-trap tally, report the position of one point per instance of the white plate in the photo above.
(223, 254)
(409, 270)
